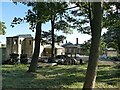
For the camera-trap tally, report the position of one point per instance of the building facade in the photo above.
(20, 44)
(24, 45)
(72, 49)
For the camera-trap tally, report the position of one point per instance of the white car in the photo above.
(84, 58)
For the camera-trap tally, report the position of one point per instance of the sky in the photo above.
(8, 11)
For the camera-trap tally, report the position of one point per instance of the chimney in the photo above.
(66, 41)
(77, 41)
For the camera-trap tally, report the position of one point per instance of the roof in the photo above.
(56, 46)
(24, 35)
(67, 44)
(71, 45)
(111, 49)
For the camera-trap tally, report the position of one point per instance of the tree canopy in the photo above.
(112, 23)
(2, 28)
(47, 37)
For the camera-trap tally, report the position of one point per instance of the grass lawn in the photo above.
(60, 76)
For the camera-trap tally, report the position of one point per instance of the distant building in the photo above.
(24, 44)
(58, 50)
(2, 52)
(20, 44)
(72, 48)
(111, 52)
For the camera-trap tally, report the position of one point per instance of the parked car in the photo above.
(115, 58)
(43, 59)
(81, 58)
(64, 59)
(61, 59)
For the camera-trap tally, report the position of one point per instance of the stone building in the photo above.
(20, 44)
(111, 52)
(72, 48)
(57, 51)
(24, 45)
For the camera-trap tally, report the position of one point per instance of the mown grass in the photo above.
(60, 76)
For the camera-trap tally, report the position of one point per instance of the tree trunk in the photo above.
(94, 50)
(34, 61)
(53, 41)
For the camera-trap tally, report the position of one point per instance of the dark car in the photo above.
(64, 59)
(61, 59)
(115, 58)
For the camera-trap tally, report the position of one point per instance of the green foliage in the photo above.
(80, 17)
(47, 37)
(85, 47)
(2, 28)
(112, 38)
(42, 12)
(112, 23)
(111, 15)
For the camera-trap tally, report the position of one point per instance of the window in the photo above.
(15, 41)
(30, 42)
(8, 41)
(69, 50)
(20, 41)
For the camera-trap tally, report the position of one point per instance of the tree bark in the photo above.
(94, 50)
(53, 40)
(34, 61)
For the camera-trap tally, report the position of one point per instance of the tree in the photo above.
(95, 23)
(2, 28)
(41, 12)
(35, 19)
(47, 37)
(34, 61)
(112, 38)
(56, 10)
(112, 23)
(85, 47)
(44, 16)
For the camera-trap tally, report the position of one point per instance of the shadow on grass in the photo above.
(48, 77)
(110, 76)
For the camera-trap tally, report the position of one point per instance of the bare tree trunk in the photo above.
(94, 50)
(34, 61)
(53, 40)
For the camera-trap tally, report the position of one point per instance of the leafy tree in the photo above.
(102, 46)
(112, 38)
(35, 18)
(112, 23)
(85, 47)
(87, 44)
(2, 28)
(47, 37)
(41, 12)
(111, 15)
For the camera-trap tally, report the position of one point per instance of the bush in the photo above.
(14, 58)
(23, 59)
